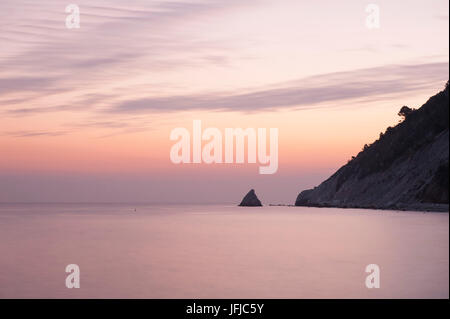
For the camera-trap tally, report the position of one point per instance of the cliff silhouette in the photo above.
(406, 168)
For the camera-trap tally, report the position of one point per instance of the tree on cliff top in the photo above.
(405, 111)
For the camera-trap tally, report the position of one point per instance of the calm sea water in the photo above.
(192, 251)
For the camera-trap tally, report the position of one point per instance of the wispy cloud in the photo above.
(31, 133)
(371, 83)
(82, 102)
(116, 43)
(20, 84)
(115, 61)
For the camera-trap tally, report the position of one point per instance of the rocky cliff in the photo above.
(406, 168)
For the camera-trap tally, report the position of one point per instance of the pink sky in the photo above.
(86, 113)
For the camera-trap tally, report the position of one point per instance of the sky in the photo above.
(86, 113)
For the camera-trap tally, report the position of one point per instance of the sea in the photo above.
(221, 251)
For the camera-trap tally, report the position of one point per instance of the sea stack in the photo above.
(250, 199)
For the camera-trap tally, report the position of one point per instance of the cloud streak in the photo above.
(368, 84)
(32, 133)
(20, 84)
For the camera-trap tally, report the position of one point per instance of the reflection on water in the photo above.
(192, 251)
